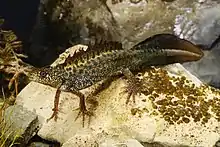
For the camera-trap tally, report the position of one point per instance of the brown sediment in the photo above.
(178, 100)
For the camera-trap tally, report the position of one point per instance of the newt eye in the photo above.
(43, 74)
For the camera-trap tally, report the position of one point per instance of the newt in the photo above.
(108, 59)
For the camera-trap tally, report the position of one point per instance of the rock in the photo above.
(127, 143)
(38, 144)
(207, 70)
(145, 144)
(82, 139)
(20, 124)
(204, 29)
(127, 21)
(132, 143)
(185, 114)
(217, 144)
(90, 138)
(66, 23)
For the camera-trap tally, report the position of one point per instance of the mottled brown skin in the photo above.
(109, 59)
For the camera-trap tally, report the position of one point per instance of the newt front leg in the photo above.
(82, 103)
(56, 105)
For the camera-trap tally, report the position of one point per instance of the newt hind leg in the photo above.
(135, 86)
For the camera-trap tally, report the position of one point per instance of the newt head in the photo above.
(171, 49)
(44, 75)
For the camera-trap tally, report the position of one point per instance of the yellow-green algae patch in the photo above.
(177, 100)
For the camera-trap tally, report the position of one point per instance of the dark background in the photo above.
(19, 16)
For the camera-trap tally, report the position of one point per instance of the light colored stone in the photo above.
(83, 138)
(38, 144)
(114, 119)
(90, 138)
(116, 143)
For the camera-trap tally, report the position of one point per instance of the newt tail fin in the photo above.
(174, 48)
